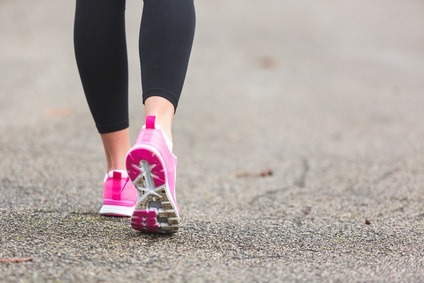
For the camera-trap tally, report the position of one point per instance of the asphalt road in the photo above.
(299, 137)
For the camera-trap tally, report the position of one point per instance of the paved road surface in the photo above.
(324, 98)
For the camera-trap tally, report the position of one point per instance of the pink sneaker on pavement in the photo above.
(119, 195)
(152, 168)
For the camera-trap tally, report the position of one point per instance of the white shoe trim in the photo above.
(116, 210)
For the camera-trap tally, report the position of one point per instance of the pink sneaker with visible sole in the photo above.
(152, 168)
(119, 195)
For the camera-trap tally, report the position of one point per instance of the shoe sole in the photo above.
(154, 211)
(116, 210)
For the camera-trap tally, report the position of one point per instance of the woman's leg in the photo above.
(166, 37)
(100, 49)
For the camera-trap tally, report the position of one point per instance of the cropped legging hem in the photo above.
(168, 95)
(104, 129)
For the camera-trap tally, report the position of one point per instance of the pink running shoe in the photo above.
(152, 168)
(119, 195)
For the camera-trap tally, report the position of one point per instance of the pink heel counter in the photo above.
(150, 122)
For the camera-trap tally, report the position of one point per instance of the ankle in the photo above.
(116, 146)
(115, 162)
(163, 109)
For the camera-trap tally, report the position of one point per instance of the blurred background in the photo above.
(277, 79)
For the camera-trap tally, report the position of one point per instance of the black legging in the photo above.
(166, 37)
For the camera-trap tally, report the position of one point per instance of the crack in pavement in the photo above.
(301, 181)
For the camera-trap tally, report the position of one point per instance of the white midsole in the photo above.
(117, 209)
